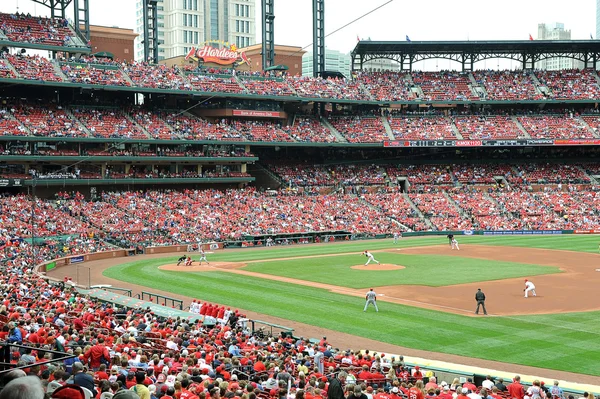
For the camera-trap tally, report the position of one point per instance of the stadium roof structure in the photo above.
(528, 52)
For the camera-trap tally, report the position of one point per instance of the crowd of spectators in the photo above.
(358, 129)
(336, 88)
(310, 130)
(212, 83)
(387, 86)
(329, 175)
(94, 74)
(487, 127)
(158, 76)
(108, 123)
(34, 68)
(444, 86)
(571, 84)
(267, 87)
(47, 121)
(421, 127)
(25, 28)
(508, 85)
(552, 127)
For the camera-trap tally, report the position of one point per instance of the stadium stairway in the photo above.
(454, 128)
(388, 128)
(126, 77)
(461, 211)
(265, 178)
(588, 127)
(239, 82)
(597, 78)
(58, 71)
(10, 116)
(367, 92)
(8, 64)
(82, 127)
(333, 130)
(521, 128)
(376, 208)
(142, 128)
(593, 179)
(418, 211)
(539, 87)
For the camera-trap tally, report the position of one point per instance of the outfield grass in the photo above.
(568, 342)
(430, 270)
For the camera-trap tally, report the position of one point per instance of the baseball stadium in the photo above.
(203, 228)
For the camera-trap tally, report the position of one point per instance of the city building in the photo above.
(290, 56)
(183, 24)
(597, 20)
(556, 31)
(335, 61)
(117, 41)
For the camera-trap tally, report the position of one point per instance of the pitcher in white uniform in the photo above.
(529, 287)
(370, 258)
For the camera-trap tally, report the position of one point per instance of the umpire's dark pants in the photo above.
(482, 304)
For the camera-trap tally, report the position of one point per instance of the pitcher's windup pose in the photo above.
(370, 258)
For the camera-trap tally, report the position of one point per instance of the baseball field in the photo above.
(426, 293)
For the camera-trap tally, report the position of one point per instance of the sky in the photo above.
(421, 20)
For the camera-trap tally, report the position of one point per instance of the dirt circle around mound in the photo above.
(211, 267)
(378, 267)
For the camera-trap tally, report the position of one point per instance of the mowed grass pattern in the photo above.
(569, 342)
(431, 270)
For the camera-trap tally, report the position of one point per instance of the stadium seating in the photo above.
(48, 121)
(421, 128)
(485, 213)
(508, 85)
(444, 86)
(34, 68)
(266, 86)
(109, 123)
(38, 30)
(440, 211)
(571, 84)
(306, 86)
(548, 127)
(482, 174)
(387, 86)
(552, 174)
(360, 129)
(155, 126)
(397, 207)
(422, 174)
(310, 130)
(93, 74)
(491, 127)
(212, 83)
(325, 175)
(156, 76)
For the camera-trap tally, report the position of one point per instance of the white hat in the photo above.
(53, 386)
(395, 389)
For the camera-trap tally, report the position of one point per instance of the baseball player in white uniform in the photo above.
(454, 244)
(203, 256)
(371, 299)
(370, 258)
(529, 287)
(396, 237)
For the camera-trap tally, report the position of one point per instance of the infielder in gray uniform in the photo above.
(371, 298)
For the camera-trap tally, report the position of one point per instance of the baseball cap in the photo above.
(464, 390)
(125, 394)
(525, 279)
(69, 391)
(161, 378)
(395, 389)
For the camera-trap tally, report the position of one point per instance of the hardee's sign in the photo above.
(221, 56)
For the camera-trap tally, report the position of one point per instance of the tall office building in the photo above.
(183, 24)
(335, 61)
(556, 31)
(597, 20)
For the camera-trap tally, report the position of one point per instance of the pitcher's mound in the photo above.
(375, 266)
(212, 267)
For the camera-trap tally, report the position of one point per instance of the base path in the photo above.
(556, 293)
(579, 274)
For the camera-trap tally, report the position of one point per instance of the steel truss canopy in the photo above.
(468, 53)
